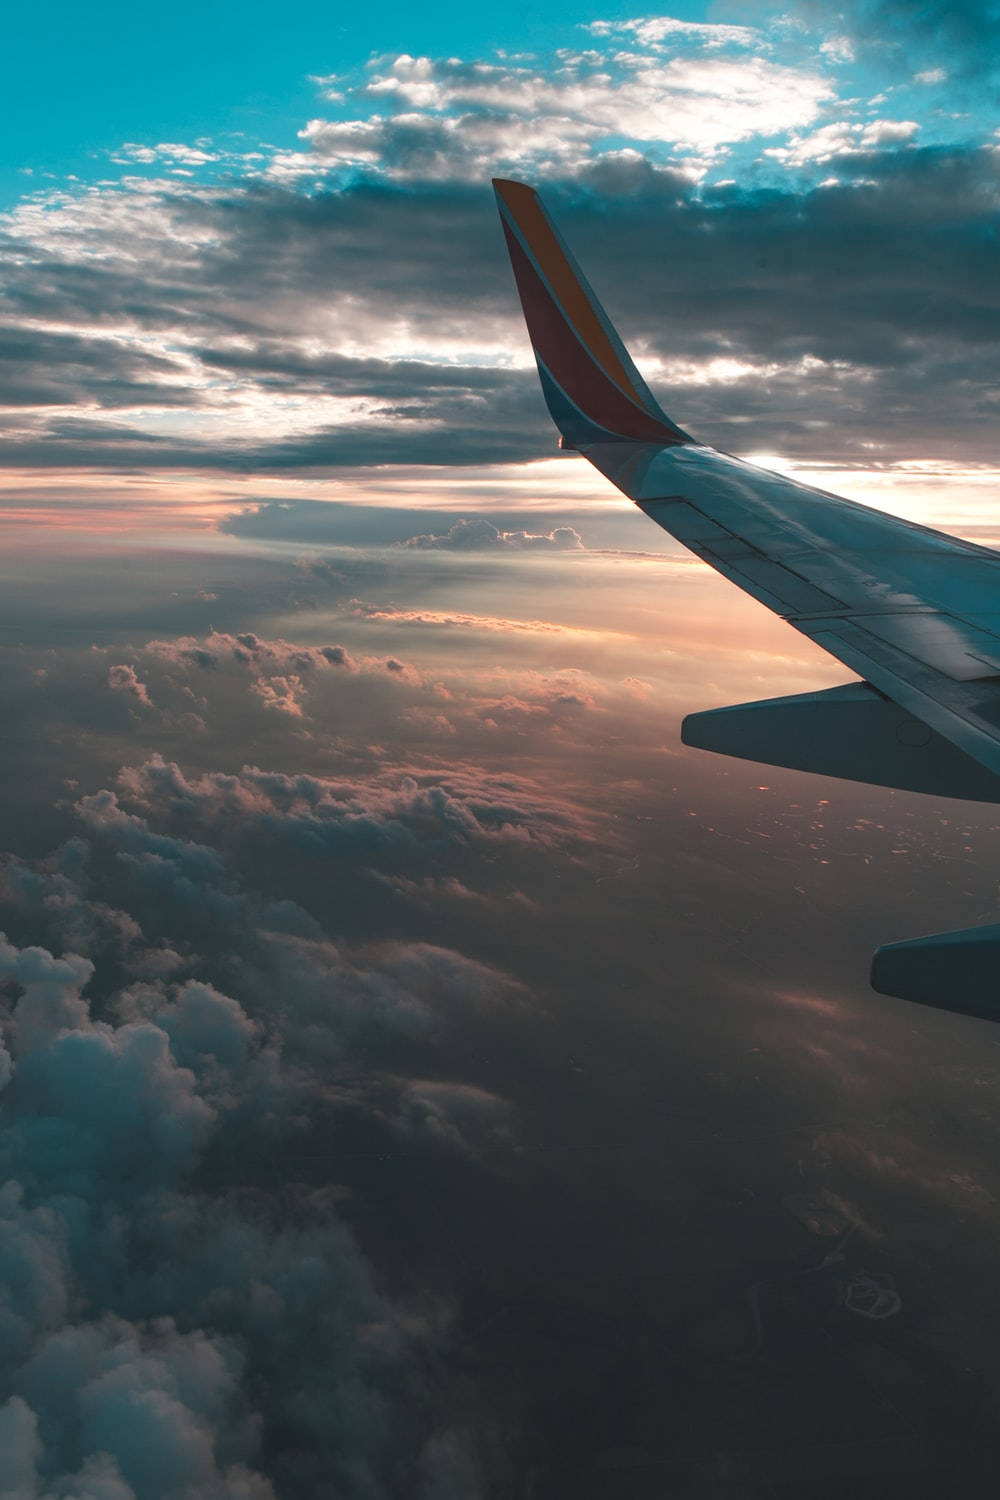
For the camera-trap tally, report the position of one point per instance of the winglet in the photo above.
(591, 387)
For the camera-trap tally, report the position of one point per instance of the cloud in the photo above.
(879, 133)
(165, 1335)
(383, 703)
(367, 527)
(453, 1113)
(458, 120)
(169, 151)
(843, 139)
(263, 1013)
(658, 30)
(348, 304)
(478, 534)
(284, 694)
(264, 660)
(368, 610)
(122, 679)
(795, 272)
(41, 367)
(963, 33)
(340, 817)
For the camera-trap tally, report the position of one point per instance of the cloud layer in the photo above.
(802, 263)
(173, 1324)
(405, 1042)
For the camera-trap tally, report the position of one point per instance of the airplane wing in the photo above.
(914, 612)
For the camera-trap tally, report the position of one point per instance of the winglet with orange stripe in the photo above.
(591, 387)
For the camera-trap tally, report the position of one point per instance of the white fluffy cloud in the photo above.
(453, 119)
(477, 534)
(842, 137)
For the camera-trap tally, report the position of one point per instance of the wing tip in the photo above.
(592, 388)
(510, 193)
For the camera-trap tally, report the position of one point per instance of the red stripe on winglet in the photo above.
(526, 211)
(559, 349)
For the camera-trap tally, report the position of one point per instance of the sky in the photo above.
(422, 1076)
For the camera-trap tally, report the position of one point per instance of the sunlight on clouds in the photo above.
(843, 136)
(457, 620)
(727, 370)
(962, 498)
(458, 119)
(296, 320)
(959, 498)
(773, 461)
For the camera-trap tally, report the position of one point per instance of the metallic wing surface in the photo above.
(914, 612)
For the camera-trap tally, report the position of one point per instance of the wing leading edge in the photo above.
(914, 612)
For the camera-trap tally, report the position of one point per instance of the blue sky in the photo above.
(78, 85)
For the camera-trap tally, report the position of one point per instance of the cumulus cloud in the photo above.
(168, 151)
(456, 120)
(165, 1336)
(841, 139)
(391, 810)
(239, 697)
(284, 694)
(122, 678)
(477, 534)
(278, 671)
